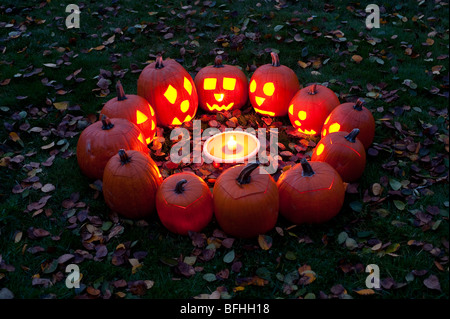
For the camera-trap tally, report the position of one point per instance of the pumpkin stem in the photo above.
(120, 92)
(359, 104)
(351, 137)
(244, 176)
(123, 157)
(275, 59)
(107, 125)
(313, 89)
(159, 62)
(179, 188)
(218, 62)
(307, 169)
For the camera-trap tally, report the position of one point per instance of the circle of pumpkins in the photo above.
(245, 201)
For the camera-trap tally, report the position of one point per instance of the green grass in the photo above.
(132, 46)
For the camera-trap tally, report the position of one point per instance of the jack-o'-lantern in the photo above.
(169, 88)
(345, 152)
(347, 116)
(309, 108)
(133, 108)
(272, 87)
(221, 87)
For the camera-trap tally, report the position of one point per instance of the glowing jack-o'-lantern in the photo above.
(169, 88)
(310, 107)
(347, 116)
(133, 108)
(344, 152)
(272, 87)
(221, 87)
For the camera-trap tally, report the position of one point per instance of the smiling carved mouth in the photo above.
(220, 108)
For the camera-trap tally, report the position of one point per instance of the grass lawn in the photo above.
(54, 81)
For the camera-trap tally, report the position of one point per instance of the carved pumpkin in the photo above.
(130, 182)
(133, 108)
(245, 201)
(344, 152)
(272, 87)
(169, 88)
(221, 87)
(101, 140)
(184, 203)
(310, 107)
(347, 116)
(310, 193)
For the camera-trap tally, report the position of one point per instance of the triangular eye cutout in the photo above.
(140, 117)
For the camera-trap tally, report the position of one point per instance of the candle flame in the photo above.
(232, 143)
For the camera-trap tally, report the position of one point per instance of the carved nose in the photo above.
(259, 100)
(219, 97)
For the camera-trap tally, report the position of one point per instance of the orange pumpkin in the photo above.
(272, 87)
(130, 182)
(347, 116)
(101, 140)
(169, 88)
(221, 87)
(133, 108)
(345, 152)
(245, 201)
(310, 193)
(184, 203)
(310, 107)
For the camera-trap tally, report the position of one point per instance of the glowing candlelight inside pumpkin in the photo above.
(231, 147)
(232, 143)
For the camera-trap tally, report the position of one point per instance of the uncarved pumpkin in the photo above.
(345, 152)
(130, 182)
(133, 108)
(245, 201)
(221, 87)
(170, 90)
(348, 116)
(184, 203)
(310, 107)
(272, 87)
(100, 141)
(310, 192)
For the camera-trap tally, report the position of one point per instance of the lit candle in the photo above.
(232, 143)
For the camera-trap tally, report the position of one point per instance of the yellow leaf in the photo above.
(357, 58)
(365, 292)
(62, 106)
(14, 136)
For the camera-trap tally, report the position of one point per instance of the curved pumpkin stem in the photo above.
(159, 62)
(351, 137)
(179, 188)
(275, 59)
(244, 176)
(313, 89)
(107, 125)
(359, 104)
(124, 158)
(307, 169)
(218, 62)
(120, 92)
